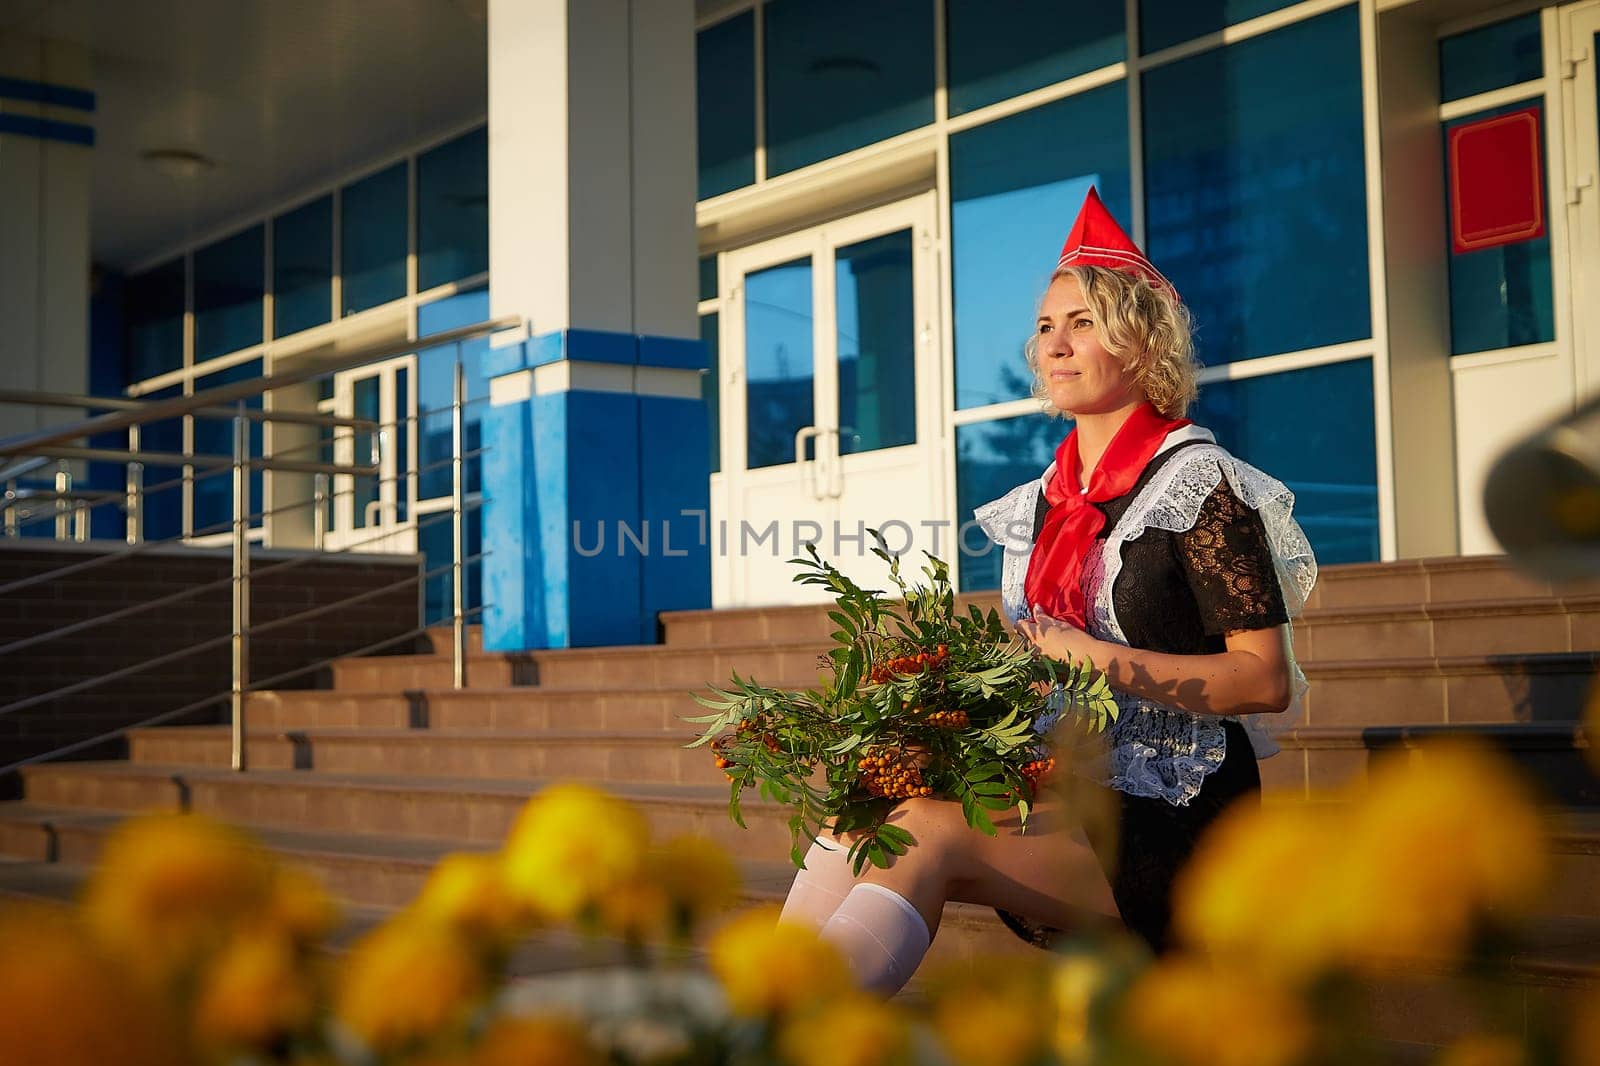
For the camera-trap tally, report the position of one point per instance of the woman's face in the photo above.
(1081, 376)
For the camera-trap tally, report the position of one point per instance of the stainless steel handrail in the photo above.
(51, 445)
(161, 410)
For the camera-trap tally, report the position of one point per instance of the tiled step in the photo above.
(384, 872)
(1535, 625)
(1474, 688)
(397, 673)
(314, 708)
(441, 639)
(1316, 760)
(642, 758)
(471, 811)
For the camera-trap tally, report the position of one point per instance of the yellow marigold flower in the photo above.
(1077, 982)
(1202, 1015)
(64, 1003)
(170, 887)
(1437, 841)
(570, 846)
(996, 1012)
(698, 877)
(254, 994)
(408, 981)
(467, 891)
(1484, 1050)
(1258, 887)
(1583, 1039)
(299, 907)
(770, 968)
(638, 910)
(859, 1031)
(547, 1041)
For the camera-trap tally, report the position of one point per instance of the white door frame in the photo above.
(817, 480)
(382, 529)
(1581, 135)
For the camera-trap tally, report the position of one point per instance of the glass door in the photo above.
(830, 391)
(374, 512)
(1581, 48)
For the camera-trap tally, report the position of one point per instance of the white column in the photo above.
(44, 225)
(592, 165)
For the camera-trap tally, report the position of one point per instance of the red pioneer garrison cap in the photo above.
(1097, 240)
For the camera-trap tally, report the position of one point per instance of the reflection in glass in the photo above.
(708, 277)
(875, 318)
(364, 403)
(453, 210)
(228, 283)
(1164, 23)
(1255, 189)
(434, 543)
(1007, 222)
(1313, 430)
(213, 495)
(1500, 297)
(725, 104)
(841, 74)
(436, 386)
(992, 458)
(710, 385)
(163, 508)
(302, 268)
(1003, 50)
(372, 227)
(779, 397)
(1491, 57)
(155, 302)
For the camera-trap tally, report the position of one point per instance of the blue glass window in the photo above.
(1015, 187)
(213, 495)
(710, 385)
(1491, 57)
(373, 239)
(1313, 430)
(1500, 297)
(434, 542)
(155, 301)
(708, 277)
(302, 268)
(725, 104)
(841, 74)
(778, 357)
(163, 507)
(1002, 50)
(453, 210)
(992, 458)
(1255, 187)
(436, 387)
(229, 280)
(876, 330)
(1164, 23)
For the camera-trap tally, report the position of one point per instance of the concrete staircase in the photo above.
(368, 782)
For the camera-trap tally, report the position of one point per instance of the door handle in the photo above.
(808, 473)
(835, 467)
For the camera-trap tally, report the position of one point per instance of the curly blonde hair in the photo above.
(1145, 327)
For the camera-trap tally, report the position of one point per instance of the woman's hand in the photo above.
(1061, 641)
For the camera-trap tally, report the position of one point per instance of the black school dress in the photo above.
(1179, 593)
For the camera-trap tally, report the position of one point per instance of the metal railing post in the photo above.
(135, 490)
(241, 580)
(11, 509)
(63, 506)
(80, 521)
(319, 511)
(458, 531)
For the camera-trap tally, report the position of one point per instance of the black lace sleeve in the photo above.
(1229, 567)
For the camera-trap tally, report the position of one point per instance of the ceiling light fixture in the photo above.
(178, 162)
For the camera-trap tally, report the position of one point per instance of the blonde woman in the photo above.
(1149, 550)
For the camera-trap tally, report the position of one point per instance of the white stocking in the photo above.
(820, 887)
(881, 934)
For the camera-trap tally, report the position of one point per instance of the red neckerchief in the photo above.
(1054, 584)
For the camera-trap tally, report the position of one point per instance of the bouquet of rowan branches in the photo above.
(924, 700)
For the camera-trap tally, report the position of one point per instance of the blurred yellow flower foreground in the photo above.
(193, 945)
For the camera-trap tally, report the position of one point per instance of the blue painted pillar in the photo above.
(597, 482)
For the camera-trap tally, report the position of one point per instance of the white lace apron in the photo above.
(1155, 749)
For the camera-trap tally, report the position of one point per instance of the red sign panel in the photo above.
(1496, 181)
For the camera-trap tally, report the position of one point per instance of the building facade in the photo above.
(1382, 214)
